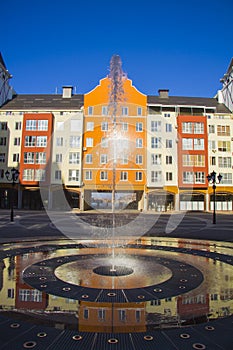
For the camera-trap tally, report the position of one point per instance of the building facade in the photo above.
(155, 152)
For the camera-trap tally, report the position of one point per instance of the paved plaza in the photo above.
(171, 288)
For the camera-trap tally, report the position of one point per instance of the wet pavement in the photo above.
(164, 290)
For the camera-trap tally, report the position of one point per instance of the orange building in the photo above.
(118, 152)
(112, 318)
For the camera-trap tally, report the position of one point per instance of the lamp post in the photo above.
(212, 178)
(12, 176)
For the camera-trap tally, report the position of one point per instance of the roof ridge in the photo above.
(2, 61)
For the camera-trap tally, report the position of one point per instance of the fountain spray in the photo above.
(115, 97)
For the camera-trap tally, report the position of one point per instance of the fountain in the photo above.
(117, 291)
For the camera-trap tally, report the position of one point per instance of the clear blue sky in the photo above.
(181, 45)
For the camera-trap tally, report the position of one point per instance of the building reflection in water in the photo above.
(212, 299)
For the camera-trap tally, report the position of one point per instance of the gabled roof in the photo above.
(43, 102)
(188, 101)
(2, 61)
(230, 66)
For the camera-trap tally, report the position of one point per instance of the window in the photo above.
(30, 141)
(104, 175)
(139, 126)
(187, 128)
(2, 157)
(155, 126)
(17, 141)
(2, 141)
(198, 128)
(168, 143)
(124, 110)
(104, 142)
(28, 174)
(169, 176)
(88, 158)
(224, 162)
(58, 158)
(198, 144)
(139, 111)
(223, 130)
(124, 158)
(156, 159)
(90, 110)
(104, 110)
(188, 177)
(193, 160)
(90, 126)
(88, 175)
(138, 176)
(156, 176)
(155, 142)
(43, 124)
(138, 315)
(139, 143)
(212, 145)
(168, 159)
(226, 178)
(57, 174)
(168, 127)
(187, 144)
(139, 159)
(101, 314)
(124, 175)
(74, 158)
(104, 126)
(59, 141)
(18, 125)
(36, 296)
(103, 159)
(25, 294)
(29, 157)
(199, 160)
(167, 115)
(224, 146)
(199, 177)
(122, 315)
(212, 160)
(41, 141)
(15, 157)
(75, 141)
(211, 129)
(30, 124)
(86, 314)
(89, 142)
(3, 125)
(40, 175)
(10, 293)
(73, 175)
(124, 126)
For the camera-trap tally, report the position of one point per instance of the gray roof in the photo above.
(51, 102)
(2, 61)
(188, 101)
(47, 102)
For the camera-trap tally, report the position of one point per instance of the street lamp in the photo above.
(12, 176)
(212, 178)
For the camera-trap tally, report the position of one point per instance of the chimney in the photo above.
(67, 91)
(163, 93)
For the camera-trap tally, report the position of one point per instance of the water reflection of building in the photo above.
(112, 317)
(26, 296)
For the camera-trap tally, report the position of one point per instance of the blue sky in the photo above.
(184, 46)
